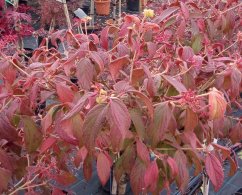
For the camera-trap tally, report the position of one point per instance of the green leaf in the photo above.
(197, 43)
(32, 135)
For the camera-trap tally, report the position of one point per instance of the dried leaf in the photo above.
(217, 104)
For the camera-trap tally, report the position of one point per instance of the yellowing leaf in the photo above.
(217, 104)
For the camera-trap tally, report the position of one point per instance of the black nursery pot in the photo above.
(133, 5)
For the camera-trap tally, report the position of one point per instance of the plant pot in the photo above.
(133, 5)
(102, 7)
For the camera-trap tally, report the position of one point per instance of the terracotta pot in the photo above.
(102, 7)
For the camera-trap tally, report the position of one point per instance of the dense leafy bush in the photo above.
(147, 97)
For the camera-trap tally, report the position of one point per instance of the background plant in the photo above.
(148, 96)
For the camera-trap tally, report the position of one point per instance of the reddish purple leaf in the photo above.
(137, 177)
(104, 38)
(85, 73)
(191, 120)
(95, 56)
(151, 176)
(143, 152)
(166, 13)
(64, 92)
(103, 168)
(93, 123)
(87, 167)
(185, 10)
(5, 177)
(175, 83)
(152, 48)
(173, 165)
(182, 178)
(146, 100)
(65, 178)
(47, 144)
(80, 156)
(7, 131)
(78, 106)
(6, 161)
(116, 65)
(119, 121)
(214, 170)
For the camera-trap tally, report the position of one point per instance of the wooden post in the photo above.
(68, 20)
(114, 9)
(92, 13)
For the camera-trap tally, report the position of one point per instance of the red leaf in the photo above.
(217, 104)
(143, 152)
(64, 92)
(32, 135)
(214, 170)
(223, 150)
(93, 123)
(5, 177)
(183, 175)
(163, 121)
(85, 73)
(116, 65)
(119, 121)
(166, 13)
(175, 83)
(151, 176)
(103, 168)
(78, 106)
(137, 177)
(47, 144)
